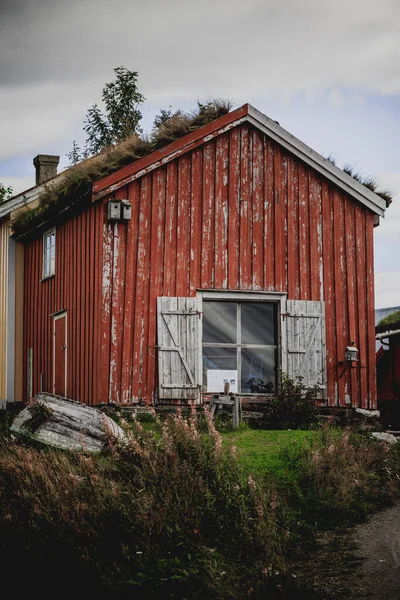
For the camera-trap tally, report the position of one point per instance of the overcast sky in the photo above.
(328, 71)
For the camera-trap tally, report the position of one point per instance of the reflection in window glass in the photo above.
(217, 358)
(49, 253)
(258, 370)
(240, 344)
(219, 322)
(258, 323)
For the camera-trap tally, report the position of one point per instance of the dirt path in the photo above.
(362, 564)
(377, 543)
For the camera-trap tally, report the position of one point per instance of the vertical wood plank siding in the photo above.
(4, 239)
(238, 213)
(76, 288)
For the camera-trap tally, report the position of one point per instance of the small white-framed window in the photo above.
(49, 253)
(241, 342)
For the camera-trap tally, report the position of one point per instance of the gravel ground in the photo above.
(360, 564)
(377, 543)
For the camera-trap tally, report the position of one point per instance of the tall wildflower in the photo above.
(233, 450)
(251, 482)
(218, 442)
(274, 500)
(193, 422)
(210, 423)
(213, 432)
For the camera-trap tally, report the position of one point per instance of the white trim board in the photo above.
(278, 297)
(286, 140)
(347, 183)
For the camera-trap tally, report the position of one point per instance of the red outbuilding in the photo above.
(388, 368)
(229, 255)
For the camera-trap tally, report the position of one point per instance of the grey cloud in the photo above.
(55, 55)
(183, 45)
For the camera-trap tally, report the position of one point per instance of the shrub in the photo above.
(146, 417)
(339, 476)
(293, 406)
(167, 515)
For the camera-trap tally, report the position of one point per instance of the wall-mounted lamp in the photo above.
(351, 353)
(350, 358)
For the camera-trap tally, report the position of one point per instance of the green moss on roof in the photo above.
(389, 322)
(72, 191)
(368, 182)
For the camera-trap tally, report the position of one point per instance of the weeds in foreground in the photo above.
(173, 514)
(167, 515)
(334, 477)
(348, 475)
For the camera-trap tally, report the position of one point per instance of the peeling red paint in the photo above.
(235, 212)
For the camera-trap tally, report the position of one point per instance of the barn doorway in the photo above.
(60, 354)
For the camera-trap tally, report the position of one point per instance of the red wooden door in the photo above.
(60, 355)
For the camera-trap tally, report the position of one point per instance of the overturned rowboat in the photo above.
(66, 424)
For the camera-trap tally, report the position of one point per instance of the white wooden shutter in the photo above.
(179, 347)
(306, 345)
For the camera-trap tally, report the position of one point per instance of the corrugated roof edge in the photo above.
(248, 113)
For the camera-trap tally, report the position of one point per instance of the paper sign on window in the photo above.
(216, 379)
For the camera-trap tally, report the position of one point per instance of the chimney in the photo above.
(46, 167)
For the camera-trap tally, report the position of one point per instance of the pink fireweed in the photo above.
(251, 482)
(233, 450)
(274, 500)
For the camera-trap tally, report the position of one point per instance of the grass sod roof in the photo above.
(367, 181)
(370, 183)
(73, 191)
(389, 323)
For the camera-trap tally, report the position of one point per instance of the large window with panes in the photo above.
(240, 346)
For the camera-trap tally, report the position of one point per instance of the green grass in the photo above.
(264, 452)
(332, 476)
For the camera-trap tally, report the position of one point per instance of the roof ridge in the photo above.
(186, 143)
(136, 150)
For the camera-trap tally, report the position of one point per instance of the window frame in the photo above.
(44, 238)
(278, 298)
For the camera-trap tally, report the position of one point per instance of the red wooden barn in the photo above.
(229, 255)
